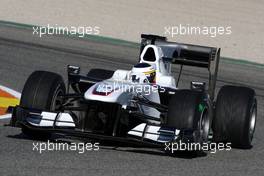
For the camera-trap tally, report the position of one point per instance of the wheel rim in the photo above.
(205, 125)
(57, 101)
(252, 122)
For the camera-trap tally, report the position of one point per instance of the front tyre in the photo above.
(42, 91)
(190, 110)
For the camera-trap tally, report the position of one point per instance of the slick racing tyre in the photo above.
(42, 91)
(188, 109)
(235, 116)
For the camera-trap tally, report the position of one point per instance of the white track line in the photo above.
(6, 116)
(12, 92)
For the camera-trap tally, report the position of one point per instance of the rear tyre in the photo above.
(235, 118)
(42, 91)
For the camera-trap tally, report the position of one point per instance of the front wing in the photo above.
(144, 134)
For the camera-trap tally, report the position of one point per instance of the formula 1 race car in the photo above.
(143, 105)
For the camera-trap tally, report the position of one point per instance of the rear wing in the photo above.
(187, 54)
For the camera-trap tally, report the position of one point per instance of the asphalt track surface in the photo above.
(21, 54)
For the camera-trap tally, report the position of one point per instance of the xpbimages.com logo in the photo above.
(211, 31)
(181, 146)
(79, 31)
(79, 147)
(146, 89)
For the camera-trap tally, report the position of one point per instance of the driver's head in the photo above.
(143, 71)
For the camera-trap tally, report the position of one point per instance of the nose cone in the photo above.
(112, 92)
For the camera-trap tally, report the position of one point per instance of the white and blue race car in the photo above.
(143, 105)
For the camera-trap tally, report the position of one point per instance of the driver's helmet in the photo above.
(143, 73)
